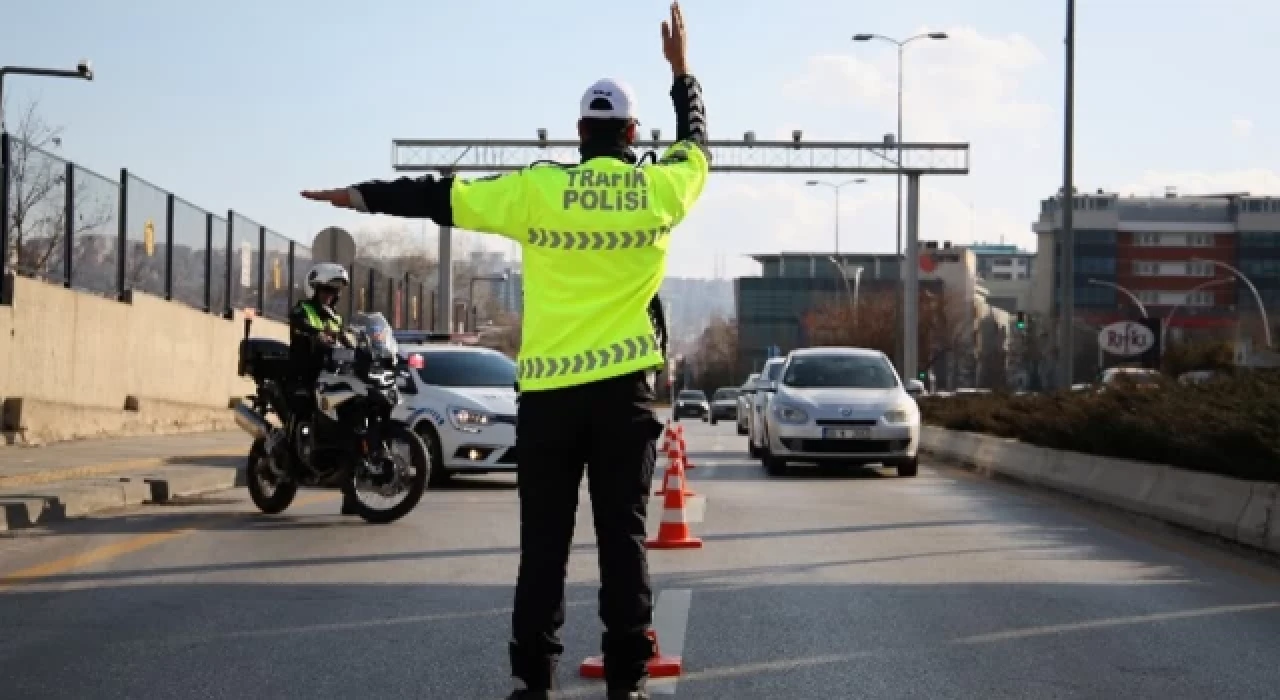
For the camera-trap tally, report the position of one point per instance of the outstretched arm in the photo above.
(425, 197)
(488, 205)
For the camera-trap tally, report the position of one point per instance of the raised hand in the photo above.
(673, 41)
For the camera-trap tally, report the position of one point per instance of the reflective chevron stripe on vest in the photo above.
(588, 361)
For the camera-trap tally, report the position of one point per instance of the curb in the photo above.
(89, 471)
(1243, 512)
(81, 497)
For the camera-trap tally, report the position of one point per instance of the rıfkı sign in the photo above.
(1126, 338)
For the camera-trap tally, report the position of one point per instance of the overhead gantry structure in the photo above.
(746, 156)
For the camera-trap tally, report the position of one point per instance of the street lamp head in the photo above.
(85, 69)
(863, 37)
(937, 35)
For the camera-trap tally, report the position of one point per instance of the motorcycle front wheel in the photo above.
(270, 492)
(412, 478)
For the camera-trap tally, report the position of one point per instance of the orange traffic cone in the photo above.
(659, 666)
(673, 475)
(674, 531)
(684, 449)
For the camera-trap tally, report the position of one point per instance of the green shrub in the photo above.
(1229, 426)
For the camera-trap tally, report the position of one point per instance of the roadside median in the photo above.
(40, 486)
(1244, 512)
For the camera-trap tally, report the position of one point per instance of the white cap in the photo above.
(608, 99)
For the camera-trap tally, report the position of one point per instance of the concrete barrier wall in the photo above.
(78, 365)
(1241, 511)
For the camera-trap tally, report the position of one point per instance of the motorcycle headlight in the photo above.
(897, 416)
(469, 420)
(789, 414)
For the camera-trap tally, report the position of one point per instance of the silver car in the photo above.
(841, 405)
(760, 403)
(746, 393)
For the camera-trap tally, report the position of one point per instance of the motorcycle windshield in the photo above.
(377, 334)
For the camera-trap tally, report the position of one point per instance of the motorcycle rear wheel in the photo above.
(416, 486)
(281, 497)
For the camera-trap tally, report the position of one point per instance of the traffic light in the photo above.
(1020, 321)
(922, 375)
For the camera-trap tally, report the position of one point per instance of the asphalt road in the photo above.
(818, 585)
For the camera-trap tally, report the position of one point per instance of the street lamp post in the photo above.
(1168, 320)
(1257, 298)
(83, 71)
(1132, 297)
(1067, 305)
(837, 187)
(900, 343)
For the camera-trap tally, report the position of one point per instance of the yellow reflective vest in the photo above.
(594, 239)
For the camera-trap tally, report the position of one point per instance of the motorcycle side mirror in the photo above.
(416, 361)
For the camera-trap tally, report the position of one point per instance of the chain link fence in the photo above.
(68, 225)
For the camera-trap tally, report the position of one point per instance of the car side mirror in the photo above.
(915, 387)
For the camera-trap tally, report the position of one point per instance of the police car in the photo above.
(462, 401)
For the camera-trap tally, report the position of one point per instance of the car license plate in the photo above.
(847, 433)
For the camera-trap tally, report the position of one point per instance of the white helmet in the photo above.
(330, 275)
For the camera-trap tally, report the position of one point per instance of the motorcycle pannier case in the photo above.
(263, 358)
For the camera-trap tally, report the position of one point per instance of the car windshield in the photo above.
(458, 368)
(726, 394)
(692, 396)
(773, 371)
(839, 372)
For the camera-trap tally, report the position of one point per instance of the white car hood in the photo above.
(857, 399)
(492, 399)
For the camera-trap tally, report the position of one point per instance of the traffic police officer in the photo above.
(314, 327)
(594, 238)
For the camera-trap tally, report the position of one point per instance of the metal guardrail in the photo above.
(67, 225)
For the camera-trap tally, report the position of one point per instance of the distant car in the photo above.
(760, 403)
(724, 404)
(746, 393)
(462, 402)
(692, 402)
(843, 406)
(1141, 377)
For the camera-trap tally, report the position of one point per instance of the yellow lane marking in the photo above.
(47, 476)
(119, 549)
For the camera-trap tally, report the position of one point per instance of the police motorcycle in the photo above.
(350, 442)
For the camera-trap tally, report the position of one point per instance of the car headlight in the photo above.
(789, 414)
(897, 416)
(469, 420)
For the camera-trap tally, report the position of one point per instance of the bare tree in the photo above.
(716, 359)
(873, 322)
(37, 203)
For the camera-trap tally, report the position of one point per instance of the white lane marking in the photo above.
(671, 622)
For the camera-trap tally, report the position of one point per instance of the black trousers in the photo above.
(607, 428)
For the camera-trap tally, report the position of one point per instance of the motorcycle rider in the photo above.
(594, 237)
(314, 328)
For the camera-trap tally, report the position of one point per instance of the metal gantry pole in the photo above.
(444, 288)
(911, 287)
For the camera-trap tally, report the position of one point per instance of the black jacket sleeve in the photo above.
(691, 112)
(425, 197)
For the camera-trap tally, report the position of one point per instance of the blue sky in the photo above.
(241, 104)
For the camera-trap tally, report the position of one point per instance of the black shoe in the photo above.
(523, 694)
(348, 508)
